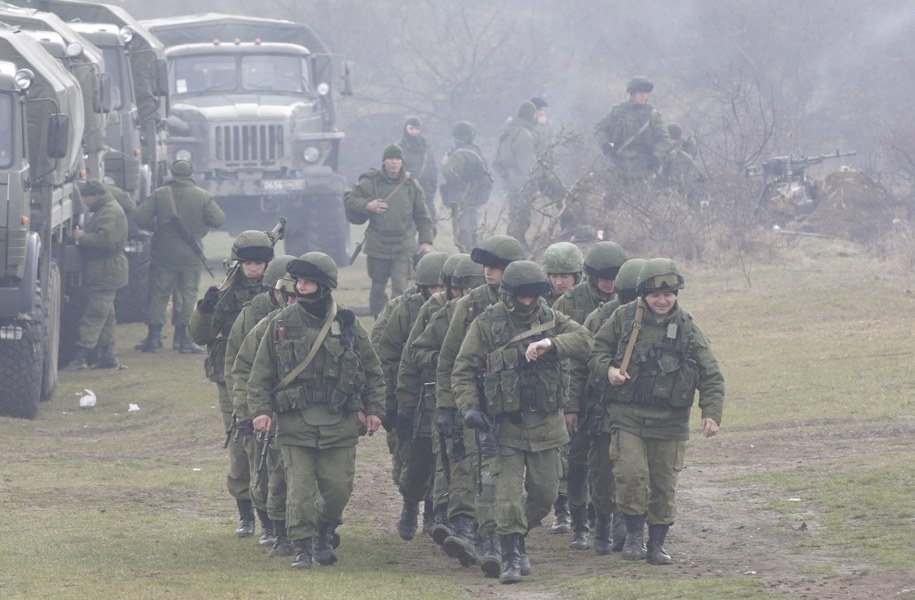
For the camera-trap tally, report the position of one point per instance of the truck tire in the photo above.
(322, 226)
(51, 330)
(21, 367)
(131, 301)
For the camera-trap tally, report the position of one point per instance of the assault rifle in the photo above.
(487, 442)
(425, 392)
(789, 167)
(231, 430)
(265, 438)
(275, 235)
(187, 237)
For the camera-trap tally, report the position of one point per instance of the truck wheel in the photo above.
(322, 226)
(21, 367)
(131, 301)
(51, 334)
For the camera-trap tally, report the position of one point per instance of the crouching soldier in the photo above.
(316, 370)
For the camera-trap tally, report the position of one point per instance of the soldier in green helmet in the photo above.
(650, 358)
(176, 266)
(563, 263)
(210, 324)
(393, 204)
(468, 184)
(520, 348)
(516, 158)
(419, 160)
(633, 134)
(317, 375)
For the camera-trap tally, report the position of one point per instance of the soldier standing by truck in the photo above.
(176, 263)
(104, 272)
(419, 160)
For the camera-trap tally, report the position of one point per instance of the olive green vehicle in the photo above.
(41, 128)
(253, 110)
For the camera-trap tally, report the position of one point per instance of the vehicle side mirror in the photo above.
(58, 135)
(103, 97)
(161, 77)
(347, 87)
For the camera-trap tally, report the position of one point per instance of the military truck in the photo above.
(254, 111)
(41, 126)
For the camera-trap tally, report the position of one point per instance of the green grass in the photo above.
(597, 588)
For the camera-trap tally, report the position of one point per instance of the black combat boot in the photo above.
(602, 540)
(428, 517)
(153, 340)
(490, 553)
(184, 343)
(79, 361)
(283, 546)
(634, 547)
(581, 535)
(245, 518)
(524, 563)
(562, 523)
(460, 545)
(107, 357)
(406, 526)
(441, 526)
(303, 553)
(268, 534)
(324, 546)
(619, 530)
(656, 553)
(511, 558)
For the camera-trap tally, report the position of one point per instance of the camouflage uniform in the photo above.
(515, 159)
(419, 160)
(468, 184)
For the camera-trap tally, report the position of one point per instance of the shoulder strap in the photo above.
(171, 200)
(291, 375)
(539, 328)
(637, 134)
(636, 327)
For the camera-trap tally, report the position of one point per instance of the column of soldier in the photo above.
(506, 388)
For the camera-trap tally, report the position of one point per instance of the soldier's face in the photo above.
(392, 166)
(253, 268)
(661, 303)
(639, 97)
(413, 130)
(457, 292)
(434, 289)
(606, 286)
(562, 282)
(526, 300)
(306, 286)
(492, 275)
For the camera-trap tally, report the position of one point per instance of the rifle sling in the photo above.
(361, 244)
(636, 328)
(176, 218)
(637, 134)
(532, 331)
(312, 352)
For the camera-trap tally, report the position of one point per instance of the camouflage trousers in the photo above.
(526, 485)
(380, 270)
(163, 282)
(464, 226)
(601, 468)
(578, 458)
(276, 484)
(519, 215)
(238, 479)
(319, 483)
(97, 325)
(645, 471)
(418, 468)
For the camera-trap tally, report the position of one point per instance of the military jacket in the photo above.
(393, 338)
(670, 362)
(524, 398)
(645, 127)
(393, 233)
(252, 312)
(196, 208)
(517, 153)
(467, 308)
(424, 349)
(319, 407)
(468, 182)
(419, 161)
(241, 367)
(102, 246)
(213, 329)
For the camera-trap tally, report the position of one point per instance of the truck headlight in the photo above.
(126, 34)
(323, 89)
(24, 78)
(183, 154)
(311, 154)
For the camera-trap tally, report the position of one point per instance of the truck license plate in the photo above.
(282, 184)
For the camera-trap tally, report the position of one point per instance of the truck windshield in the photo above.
(113, 57)
(6, 130)
(254, 72)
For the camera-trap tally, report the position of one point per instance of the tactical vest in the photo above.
(335, 377)
(584, 300)
(663, 373)
(261, 306)
(230, 305)
(478, 300)
(511, 384)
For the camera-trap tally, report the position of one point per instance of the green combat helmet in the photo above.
(181, 168)
(627, 279)
(275, 270)
(463, 131)
(252, 245)
(315, 266)
(639, 84)
(526, 111)
(498, 251)
(448, 268)
(604, 260)
(468, 274)
(563, 257)
(659, 275)
(429, 269)
(525, 278)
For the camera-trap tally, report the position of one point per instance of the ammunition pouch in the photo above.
(334, 379)
(214, 365)
(513, 384)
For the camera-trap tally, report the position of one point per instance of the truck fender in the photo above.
(30, 273)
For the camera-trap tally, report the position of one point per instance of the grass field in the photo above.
(807, 492)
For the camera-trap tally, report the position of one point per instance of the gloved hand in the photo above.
(389, 420)
(607, 148)
(210, 298)
(444, 423)
(476, 419)
(404, 423)
(245, 427)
